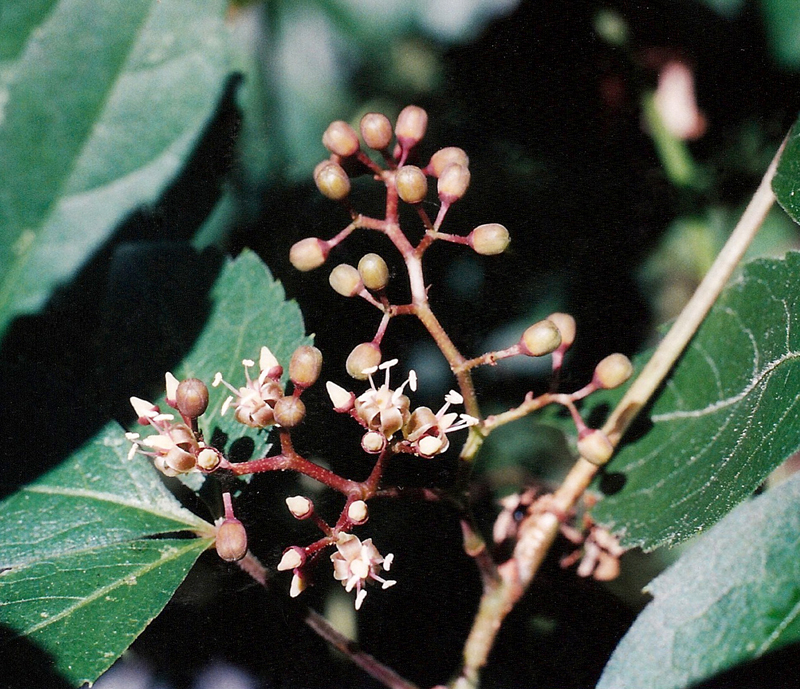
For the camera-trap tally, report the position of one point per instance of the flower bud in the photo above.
(300, 507)
(364, 356)
(613, 371)
(489, 239)
(299, 584)
(345, 280)
(208, 459)
(373, 442)
(444, 157)
(289, 411)
(231, 540)
(357, 512)
(453, 183)
(376, 130)
(566, 326)
(410, 126)
(332, 180)
(343, 400)
(341, 139)
(411, 183)
(171, 387)
(292, 558)
(373, 271)
(305, 366)
(541, 338)
(191, 398)
(308, 253)
(595, 447)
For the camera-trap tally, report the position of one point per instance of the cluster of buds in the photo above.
(385, 413)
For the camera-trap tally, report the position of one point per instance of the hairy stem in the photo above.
(541, 526)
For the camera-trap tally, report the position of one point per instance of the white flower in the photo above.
(356, 563)
(381, 408)
(255, 400)
(427, 432)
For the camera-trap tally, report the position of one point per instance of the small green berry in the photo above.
(373, 271)
(341, 139)
(345, 280)
(444, 157)
(332, 180)
(489, 239)
(376, 130)
(541, 338)
(305, 366)
(453, 182)
(595, 447)
(411, 183)
(412, 122)
(308, 253)
(367, 355)
(613, 371)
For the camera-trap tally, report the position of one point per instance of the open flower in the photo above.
(174, 448)
(381, 409)
(427, 432)
(255, 401)
(356, 563)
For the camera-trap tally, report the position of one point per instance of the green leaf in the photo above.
(734, 596)
(99, 111)
(249, 310)
(786, 183)
(782, 23)
(727, 416)
(82, 574)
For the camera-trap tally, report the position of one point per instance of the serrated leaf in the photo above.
(786, 183)
(249, 310)
(80, 150)
(727, 416)
(734, 596)
(82, 574)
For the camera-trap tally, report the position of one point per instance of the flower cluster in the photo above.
(384, 412)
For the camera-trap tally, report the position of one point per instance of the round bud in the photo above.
(231, 540)
(305, 366)
(453, 182)
(308, 253)
(541, 338)
(191, 398)
(364, 356)
(411, 183)
(373, 271)
(373, 442)
(444, 157)
(376, 130)
(357, 512)
(208, 459)
(411, 125)
(489, 239)
(345, 280)
(566, 326)
(341, 139)
(613, 371)
(595, 447)
(300, 507)
(332, 180)
(289, 411)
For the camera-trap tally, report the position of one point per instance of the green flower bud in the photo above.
(191, 398)
(444, 157)
(411, 183)
(373, 271)
(341, 139)
(308, 253)
(613, 371)
(595, 447)
(453, 182)
(332, 180)
(541, 338)
(305, 366)
(289, 411)
(566, 326)
(489, 239)
(231, 540)
(345, 280)
(376, 130)
(412, 122)
(364, 356)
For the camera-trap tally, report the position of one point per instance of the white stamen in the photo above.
(247, 363)
(132, 436)
(225, 405)
(387, 561)
(454, 397)
(164, 417)
(217, 379)
(362, 594)
(134, 449)
(412, 380)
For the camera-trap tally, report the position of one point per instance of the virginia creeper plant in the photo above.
(95, 549)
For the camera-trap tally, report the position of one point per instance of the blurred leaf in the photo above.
(782, 22)
(734, 596)
(82, 574)
(249, 310)
(98, 114)
(786, 183)
(726, 417)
